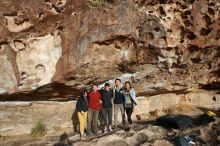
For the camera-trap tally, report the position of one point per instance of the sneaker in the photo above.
(95, 132)
(105, 130)
(110, 128)
(89, 133)
(83, 137)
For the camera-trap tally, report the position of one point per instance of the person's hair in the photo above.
(83, 92)
(94, 84)
(118, 80)
(107, 85)
(128, 82)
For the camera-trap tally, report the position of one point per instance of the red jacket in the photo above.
(94, 100)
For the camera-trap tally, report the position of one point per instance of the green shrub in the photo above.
(39, 129)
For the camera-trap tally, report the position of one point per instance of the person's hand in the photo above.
(82, 112)
(100, 102)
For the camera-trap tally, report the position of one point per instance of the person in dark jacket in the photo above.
(118, 102)
(107, 107)
(82, 109)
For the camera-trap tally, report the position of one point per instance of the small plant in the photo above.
(98, 3)
(39, 129)
(56, 128)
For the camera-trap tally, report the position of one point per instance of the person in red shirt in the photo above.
(94, 101)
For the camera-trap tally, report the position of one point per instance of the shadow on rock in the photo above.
(75, 121)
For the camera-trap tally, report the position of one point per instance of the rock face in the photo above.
(20, 117)
(164, 46)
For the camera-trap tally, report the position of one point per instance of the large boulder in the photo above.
(62, 46)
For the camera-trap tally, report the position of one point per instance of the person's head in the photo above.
(117, 82)
(128, 85)
(94, 87)
(84, 92)
(107, 86)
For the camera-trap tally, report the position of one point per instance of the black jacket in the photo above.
(82, 104)
(106, 98)
(119, 97)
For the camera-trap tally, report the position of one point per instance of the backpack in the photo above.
(175, 121)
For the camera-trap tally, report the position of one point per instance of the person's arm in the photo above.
(123, 95)
(111, 93)
(100, 97)
(101, 92)
(79, 105)
(133, 100)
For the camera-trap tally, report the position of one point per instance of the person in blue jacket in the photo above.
(129, 101)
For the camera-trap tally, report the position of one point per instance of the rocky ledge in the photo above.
(53, 48)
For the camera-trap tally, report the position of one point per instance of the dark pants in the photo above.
(129, 113)
(92, 118)
(107, 115)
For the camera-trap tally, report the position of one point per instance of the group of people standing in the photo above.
(106, 101)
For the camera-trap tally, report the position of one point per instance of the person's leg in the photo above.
(129, 113)
(109, 116)
(116, 109)
(89, 123)
(122, 109)
(104, 114)
(110, 119)
(95, 116)
(84, 121)
(81, 123)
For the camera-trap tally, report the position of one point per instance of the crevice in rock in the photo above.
(162, 12)
(211, 86)
(207, 20)
(119, 38)
(50, 92)
(149, 36)
(205, 31)
(189, 1)
(3, 43)
(195, 60)
(10, 14)
(128, 67)
(187, 23)
(56, 8)
(193, 48)
(157, 29)
(211, 11)
(191, 35)
(161, 92)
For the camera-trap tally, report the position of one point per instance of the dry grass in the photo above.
(38, 130)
